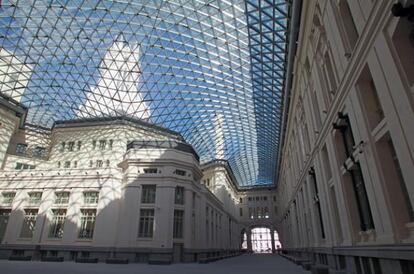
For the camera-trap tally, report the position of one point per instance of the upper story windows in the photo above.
(179, 195)
(21, 148)
(102, 144)
(77, 145)
(90, 197)
(348, 26)
(7, 198)
(150, 170)
(20, 166)
(35, 198)
(148, 194)
(180, 172)
(61, 198)
(39, 152)
(71, 146)
(257, 198)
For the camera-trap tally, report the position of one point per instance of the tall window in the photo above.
(369, 95)
(241, 212)
(148, 194)
(178, 224)
(4, 220)
(71, 146)
(87, 225)
(62, 146)
(351, 33)
(61, 198)
(90, 197)
(146, 223)
(29, 223)
(179, 195)
(7, 198)
(35, 198)
(316, 202)
(79, 145)
(102, 144)
(344, 127)
(57, 223)
(361, 196)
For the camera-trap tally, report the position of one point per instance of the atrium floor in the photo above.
(263, 264)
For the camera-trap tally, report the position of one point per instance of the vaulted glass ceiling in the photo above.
(211, 70)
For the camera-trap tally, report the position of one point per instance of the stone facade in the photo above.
(111, 187)
(345, 193)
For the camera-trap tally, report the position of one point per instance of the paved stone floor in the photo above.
(249, 264)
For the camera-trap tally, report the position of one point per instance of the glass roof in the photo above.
(210, 70)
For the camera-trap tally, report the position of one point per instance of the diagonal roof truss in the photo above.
(211, 70)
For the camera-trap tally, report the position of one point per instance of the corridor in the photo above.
(263, 264)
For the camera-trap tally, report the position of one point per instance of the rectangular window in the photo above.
(71, 146)
(178, 224)
(67, 164)
(39, 152)
(19, 166)
(90, 197)
(102, 144)
(148, 194)
(111, 144)
(61, 198)
(180, 172)
(35, 198)
(179, 195)
(241, 212)
(326, 163)
(364, 208)
(4, 220)
(57, 223)
(146, 223)
(29, 223)
(7, 198)
(344, 126)
(150, 170)
(79, 145)
(62, 146)
(87, 225)
(316, 202)
(21, 149)
(369, 97)
(402, 39)
(94, 144)
(351, 33)
(99, 163)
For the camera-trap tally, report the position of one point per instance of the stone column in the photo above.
(272, 237)
(249, 240)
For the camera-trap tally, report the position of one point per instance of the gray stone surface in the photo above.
(263, 264)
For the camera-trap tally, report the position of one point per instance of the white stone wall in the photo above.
(119, 186)
(336, 70)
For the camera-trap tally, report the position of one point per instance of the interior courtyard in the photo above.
(207, 136)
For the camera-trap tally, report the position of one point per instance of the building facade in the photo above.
(110, 187)
(345, 193)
